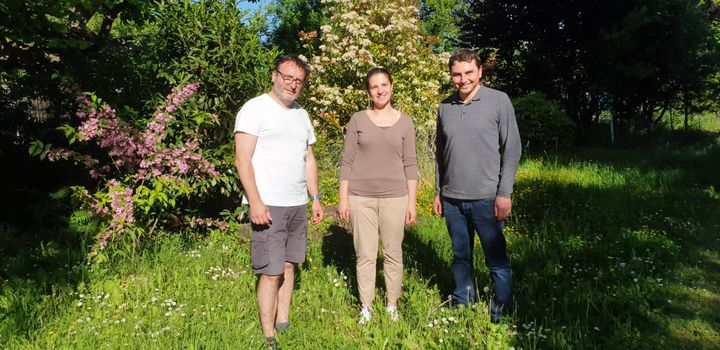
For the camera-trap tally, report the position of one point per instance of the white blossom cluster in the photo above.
(364, 34)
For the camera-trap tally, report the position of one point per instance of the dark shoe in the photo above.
(272, 343)
(454, 304)
(281, 326)
(497, 312)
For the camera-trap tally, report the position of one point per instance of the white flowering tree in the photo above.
(364, 34)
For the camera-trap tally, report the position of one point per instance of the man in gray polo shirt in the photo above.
(477, 155)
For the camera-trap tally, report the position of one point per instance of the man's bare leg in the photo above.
(267, 298)
(285, 294)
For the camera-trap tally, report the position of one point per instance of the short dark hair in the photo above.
(374, 71)
(296, 60)
(464, 55)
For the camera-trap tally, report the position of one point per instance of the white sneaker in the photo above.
(365, 315)
(392, 310)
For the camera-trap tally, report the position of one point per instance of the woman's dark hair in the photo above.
(374, 71)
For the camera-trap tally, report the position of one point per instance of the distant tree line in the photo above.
(635, 59)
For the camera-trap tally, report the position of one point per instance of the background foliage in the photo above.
(542, 123)
(129, 54)
(440, 18)
(363, 35)
(637, 59)
(298, 19)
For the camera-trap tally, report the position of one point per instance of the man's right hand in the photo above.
(437, 206)
(260, 214)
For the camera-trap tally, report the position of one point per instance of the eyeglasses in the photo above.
(289, 79)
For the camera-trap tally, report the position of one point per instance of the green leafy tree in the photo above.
(220, 46)
(130, 53)
(440, 19)
(51, 48)
(215, 43)
(297, 20)
(594, 56)
(650, 76)
(704, 94)
(49, 51)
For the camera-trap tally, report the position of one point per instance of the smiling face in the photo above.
(466, 78)
(380, 90)
(287, 83)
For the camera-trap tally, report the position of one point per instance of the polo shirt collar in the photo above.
(477, 97)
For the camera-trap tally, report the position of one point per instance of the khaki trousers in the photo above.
(383, 219)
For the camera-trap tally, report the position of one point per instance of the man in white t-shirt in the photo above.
(277, 168)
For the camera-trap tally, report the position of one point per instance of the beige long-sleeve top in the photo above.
(378, 161)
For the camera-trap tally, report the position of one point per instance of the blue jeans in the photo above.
(463, 219)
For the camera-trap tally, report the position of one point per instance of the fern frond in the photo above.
(81, 221)
(62, 193)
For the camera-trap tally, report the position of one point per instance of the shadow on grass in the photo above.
(622, 266)
(40, 258)
(338, 250)
(421, 253)
(38, 272)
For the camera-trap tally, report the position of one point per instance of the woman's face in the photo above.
(380, 90)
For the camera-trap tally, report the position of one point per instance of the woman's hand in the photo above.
(410, 214)
(343, 210)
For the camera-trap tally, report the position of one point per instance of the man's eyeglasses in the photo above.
(289, 79)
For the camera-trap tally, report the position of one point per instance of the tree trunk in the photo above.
(612, 130)
(686, 108)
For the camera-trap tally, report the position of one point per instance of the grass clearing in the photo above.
(611, 249)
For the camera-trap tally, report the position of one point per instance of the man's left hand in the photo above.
(503, 206)
(317, 212)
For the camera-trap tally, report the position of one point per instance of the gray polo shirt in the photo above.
(478, 146)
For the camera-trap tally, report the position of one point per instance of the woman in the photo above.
(378, 183)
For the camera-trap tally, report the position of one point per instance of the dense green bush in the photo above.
(543, 124)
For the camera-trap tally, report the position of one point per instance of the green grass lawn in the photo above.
(611, 249)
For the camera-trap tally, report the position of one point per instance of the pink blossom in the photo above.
(88, 129)
(102, 242)
(140, 155)
(121, 203)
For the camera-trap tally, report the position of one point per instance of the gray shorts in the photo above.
(285, 239)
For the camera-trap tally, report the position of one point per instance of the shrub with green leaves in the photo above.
(215, 43)
(149, 177)
(542, 123)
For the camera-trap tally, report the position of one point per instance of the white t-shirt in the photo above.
(283, 137)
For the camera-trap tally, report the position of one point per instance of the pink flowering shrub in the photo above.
(144, 173)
